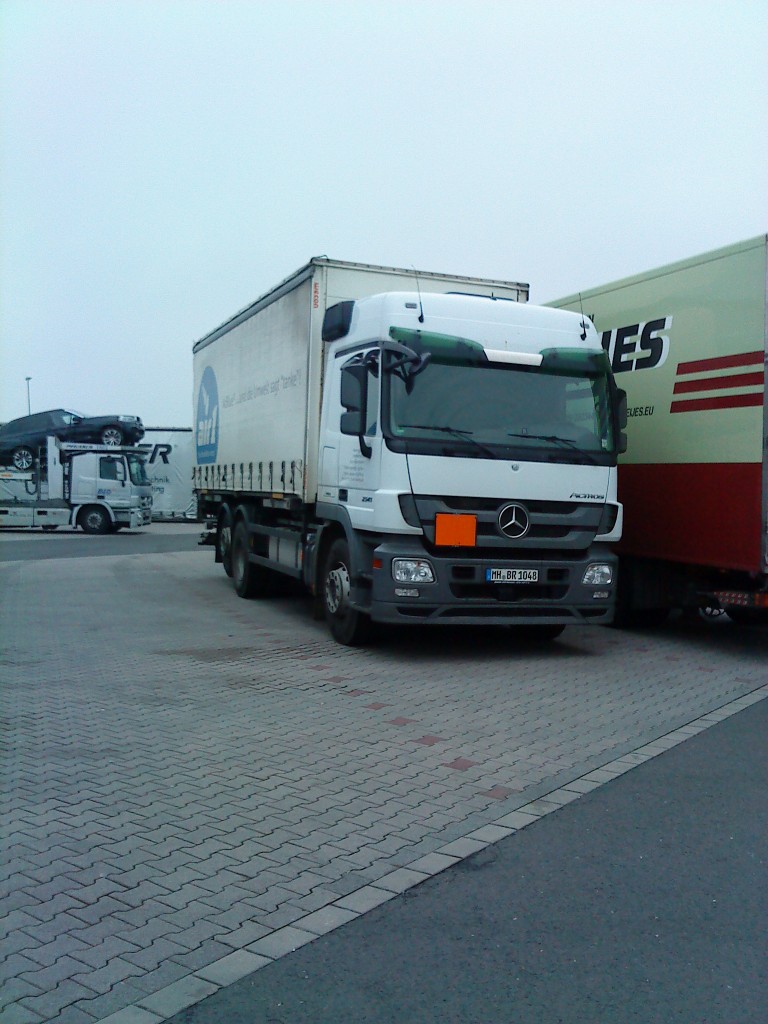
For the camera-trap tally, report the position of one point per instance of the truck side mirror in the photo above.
(354, 382)
(354, 394)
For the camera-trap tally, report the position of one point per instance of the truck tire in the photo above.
(224, 542)
(94, 519)
(249, 580)
(347, 625)
(23, 458)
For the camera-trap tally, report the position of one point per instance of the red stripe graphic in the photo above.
(721, 362)
(720, 402)
(736, 380)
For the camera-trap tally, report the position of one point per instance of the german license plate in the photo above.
(511, 575)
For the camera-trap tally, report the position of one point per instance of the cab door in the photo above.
(112, 483)
(359, 456)
(97, 477)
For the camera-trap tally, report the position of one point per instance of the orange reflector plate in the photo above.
(455, 531)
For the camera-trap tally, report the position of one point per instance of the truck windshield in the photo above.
(490, 406)
(138, 471)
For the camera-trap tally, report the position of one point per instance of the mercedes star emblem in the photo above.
(514, 521)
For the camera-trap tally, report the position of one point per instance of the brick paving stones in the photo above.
(193, 785)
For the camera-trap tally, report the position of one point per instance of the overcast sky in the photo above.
(164, 162)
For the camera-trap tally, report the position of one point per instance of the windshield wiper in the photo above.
(464, 435)
(564, 442)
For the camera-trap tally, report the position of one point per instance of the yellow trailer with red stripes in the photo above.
(687, 343)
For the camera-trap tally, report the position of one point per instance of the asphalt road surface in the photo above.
(645, 900)
(67, 542)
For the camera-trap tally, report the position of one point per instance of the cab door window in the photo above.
(112, 469)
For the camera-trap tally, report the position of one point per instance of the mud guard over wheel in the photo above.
(347, 625)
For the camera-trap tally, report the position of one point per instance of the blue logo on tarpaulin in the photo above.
(207, 422)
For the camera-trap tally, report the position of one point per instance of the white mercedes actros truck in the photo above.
(100, 488)
(415, 447)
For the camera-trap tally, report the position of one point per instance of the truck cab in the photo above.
(115, 481)
(468, 456)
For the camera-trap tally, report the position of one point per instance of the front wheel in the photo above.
(113, 436)
(347, 625)
(249, 580)
(94, 519)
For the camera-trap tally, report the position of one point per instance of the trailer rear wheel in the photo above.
(94, 519)
(347, 625)
(249, 580)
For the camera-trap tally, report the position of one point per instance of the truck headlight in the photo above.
(598, 574)
(412, 570)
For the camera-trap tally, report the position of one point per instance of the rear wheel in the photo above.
(94, 519)
(347, 625)
(249, 580)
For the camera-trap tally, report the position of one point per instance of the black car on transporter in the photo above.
(21, 439)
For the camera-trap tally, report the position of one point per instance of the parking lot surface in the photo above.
(194, 784)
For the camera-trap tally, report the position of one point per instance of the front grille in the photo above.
(561, 525)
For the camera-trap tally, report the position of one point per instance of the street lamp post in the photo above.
(29, 407)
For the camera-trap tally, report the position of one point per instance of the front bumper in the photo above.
(461, 595)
